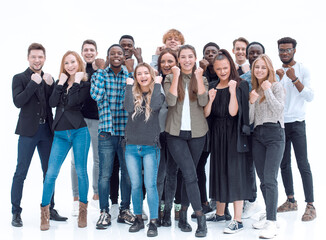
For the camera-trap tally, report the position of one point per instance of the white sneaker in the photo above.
(249, 209)
(114, 211)
(75, 208)
(144, 216)
(261, 222)
(269, 230)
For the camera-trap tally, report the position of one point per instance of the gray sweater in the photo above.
(139, 132)
(271, 109)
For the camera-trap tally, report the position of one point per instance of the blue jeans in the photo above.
(79, 140)
(42, 140)
(138, 156)
(108, 147)
(295, 134)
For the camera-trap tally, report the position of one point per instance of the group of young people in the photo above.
(158, 123)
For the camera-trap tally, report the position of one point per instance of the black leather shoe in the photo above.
(152, 229)
(166, 221)
(137, 225)
(202, 227)
(54, 215)
(183, 224)
(16, 220)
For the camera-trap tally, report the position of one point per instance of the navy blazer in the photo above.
(25, 96)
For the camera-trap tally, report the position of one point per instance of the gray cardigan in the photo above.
(199, 125)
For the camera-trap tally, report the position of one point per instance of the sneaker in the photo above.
(233, 227)
(104, 221)
(114, 210)
(144, 215)
(249, 209)
(152, 229)
(309, 214)
(261, 222)
(137, 225)
(288, 206)
(177, 208)
(125, 216)
(16, 220)
(75, 208)
(269, 230)
(213, 217)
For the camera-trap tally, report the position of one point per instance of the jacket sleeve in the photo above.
(78, 93)
(56, 95)
(171, 100)
(21, 94)
(128, 102)
(203, 98)
(275, 97)
(98, 85)
(245, 128)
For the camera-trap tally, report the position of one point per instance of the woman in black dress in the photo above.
(229, 117)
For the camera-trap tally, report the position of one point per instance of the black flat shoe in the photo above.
(137, 225)
(54, 215)
(16, 220)
(152, 230)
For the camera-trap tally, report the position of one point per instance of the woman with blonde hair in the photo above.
(266, 112)
(70, 130)
(143, 101)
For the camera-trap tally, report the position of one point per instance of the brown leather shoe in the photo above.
(82, 216)
(288, 206)
(45, 218)
(309, 214)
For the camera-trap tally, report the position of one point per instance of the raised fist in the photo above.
(232, 86)
(79, 76)
(159, 50)
(130, 81)
(130, 64)
(253, 96)
(158, 79)
(48, 79)
(291, 73)
(63, 78)
(175, 71)
(280, 73)
(266, 85)
(100, 63)
(203, 64)
(36, 78)
(212, 94)
(137, 52)
(199, 73)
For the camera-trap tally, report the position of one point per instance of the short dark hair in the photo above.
(115, 45)
(35, 46)
(240, 39)
(210, 44)
(287, 40)
(254, 43)
(128, 37)
(89, 41)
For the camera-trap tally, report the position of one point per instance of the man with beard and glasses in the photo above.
(31, 91)
(296, 81)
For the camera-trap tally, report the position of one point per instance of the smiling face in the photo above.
(239, 51)
(71, 65)
(128, 46)
(253, 52)
(260, 70)
(36, 59)
(172, 42)
(116, 57)
(144, 78)
(167, 62)
(210, 53)
(222, 69)
(187, 60)
(89, 53)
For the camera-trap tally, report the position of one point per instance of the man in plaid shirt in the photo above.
(108, 89)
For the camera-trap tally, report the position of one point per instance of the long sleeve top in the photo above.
(108, 90)
(295, 104)
(271, 109)
(199, 125)
(139, 131)
(68, 105)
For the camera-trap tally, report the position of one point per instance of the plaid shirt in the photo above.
(108, 90)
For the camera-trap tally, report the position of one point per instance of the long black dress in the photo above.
(229, 169)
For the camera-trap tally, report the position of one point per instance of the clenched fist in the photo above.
(36, 78)
(232, 86)
(62, 79)
(48, 79)
(253, 96)
(129, 64)
(130, 81)
(266, 85)
(79, 76)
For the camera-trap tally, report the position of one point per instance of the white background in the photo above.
(62, 25)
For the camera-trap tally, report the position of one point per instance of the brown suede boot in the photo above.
(82, 217)
(45, 218)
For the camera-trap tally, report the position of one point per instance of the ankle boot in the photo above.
(82, 216)
(45, 218)
(202, 227)
(166, 222)
(183, 224)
